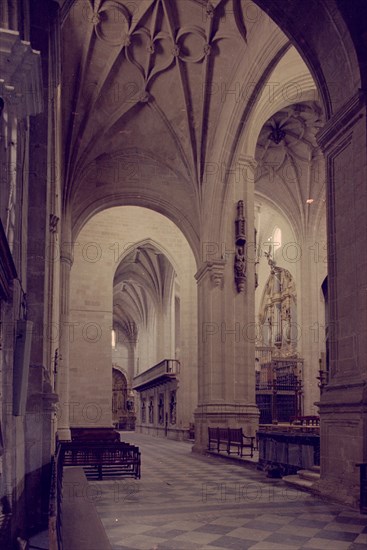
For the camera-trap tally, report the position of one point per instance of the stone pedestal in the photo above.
(343, 436)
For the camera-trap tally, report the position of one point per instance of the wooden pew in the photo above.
(101, 459)
(95, 434)
(238, 439)
(230, 437)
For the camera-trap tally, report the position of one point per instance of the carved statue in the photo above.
(240, 260)
(239, 264)
(271, 262)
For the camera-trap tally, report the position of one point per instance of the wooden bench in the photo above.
(212, 437)
(101, 459)
(230, 437)
(219, 436)
(95, 435)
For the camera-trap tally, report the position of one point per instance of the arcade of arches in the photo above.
(183, 204)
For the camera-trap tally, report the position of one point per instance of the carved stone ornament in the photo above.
(96, 18)
(215, 270)
(144, 97)
(54, 220)
(240, 242)
(210, 10)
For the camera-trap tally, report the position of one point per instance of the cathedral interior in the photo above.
(183, 238)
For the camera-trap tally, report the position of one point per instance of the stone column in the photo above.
(343, 407)
(62, 376)
(226, 348)
(311, 333)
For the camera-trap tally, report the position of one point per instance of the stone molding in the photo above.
(342, 122)
(214, 270)
(227, 409)
(21, 76)
(337, 396)
(248, 161)
(67, 257)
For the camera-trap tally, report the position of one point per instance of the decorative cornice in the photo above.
(8, 271)
(338, 125)
(214, 270)
(20, 69)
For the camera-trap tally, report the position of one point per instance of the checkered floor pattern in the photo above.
(187, 501)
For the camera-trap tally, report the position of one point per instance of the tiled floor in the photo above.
(187, 501)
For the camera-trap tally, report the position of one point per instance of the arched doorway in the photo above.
(119, 398)
(147, 295)
(290, 222)
(143, 286)
(123, 413)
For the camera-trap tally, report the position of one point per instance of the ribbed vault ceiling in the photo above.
(142, 288)
(286, 153)
(144, 85)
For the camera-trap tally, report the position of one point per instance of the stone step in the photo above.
(298, 483)
(308, 475)
(315, 469)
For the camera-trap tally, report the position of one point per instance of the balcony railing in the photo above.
(164, 371)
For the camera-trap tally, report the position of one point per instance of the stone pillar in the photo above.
(62, 376)
(41, 397)
(39, 431)
(343, 407)
(226, 350)
(311, 331)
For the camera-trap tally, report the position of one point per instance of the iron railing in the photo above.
(278, 386)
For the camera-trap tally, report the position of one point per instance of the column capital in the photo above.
(247, 160)
(66, 257)
(341, 122)
(64, 434)
(20, 67)
(214, 270)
